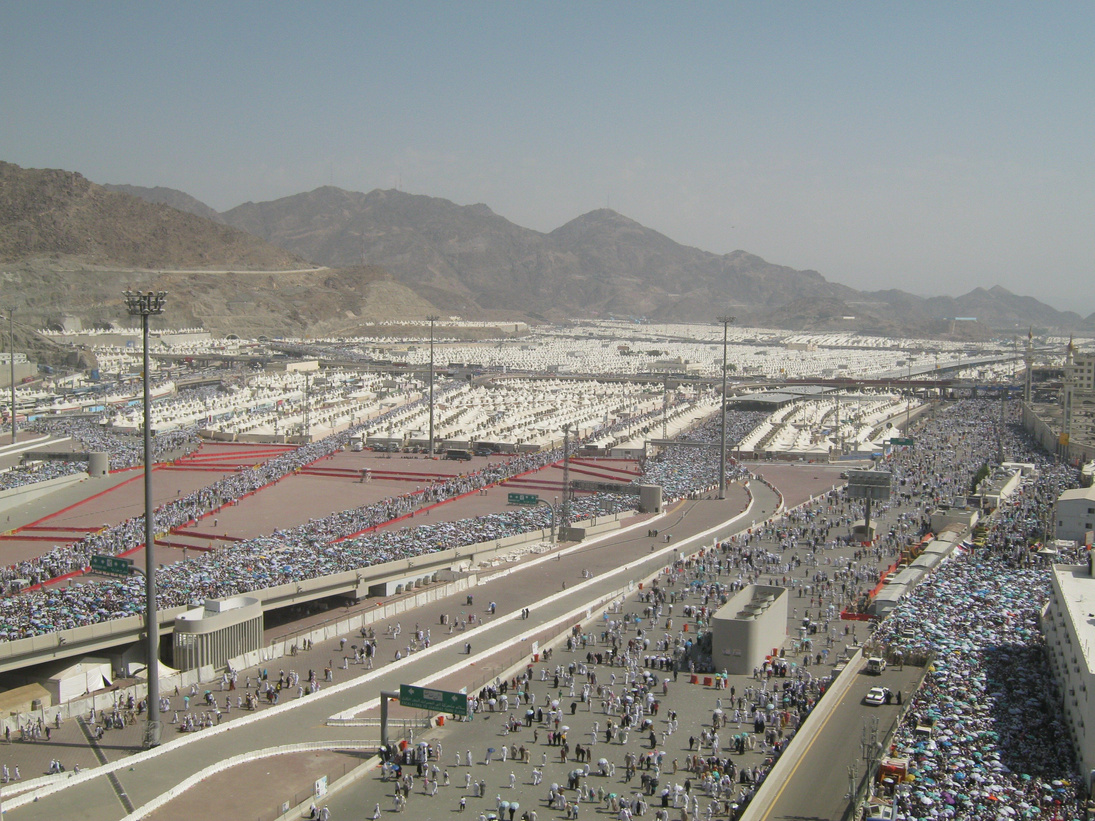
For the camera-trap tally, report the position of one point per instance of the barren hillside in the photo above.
(51, 213)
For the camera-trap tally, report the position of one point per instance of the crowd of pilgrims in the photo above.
(999, 745)
(623, 691)
(344, 540)
(999, 741)
(999, 749)
(125, 450)
(686, 470)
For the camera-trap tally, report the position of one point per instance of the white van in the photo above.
(875, 665)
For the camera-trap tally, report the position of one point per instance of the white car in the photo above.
(876, 696)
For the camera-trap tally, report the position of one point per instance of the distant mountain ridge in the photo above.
(471, 261)
(178, 200)
(599, 264)
(71, 247)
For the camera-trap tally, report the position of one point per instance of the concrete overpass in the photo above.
(378, 580)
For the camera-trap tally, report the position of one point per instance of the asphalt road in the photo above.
(497, 645)
(145, 776)
(817, 787)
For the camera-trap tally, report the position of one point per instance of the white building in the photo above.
(1076, 514)
(1069, 629)
(1078, 398)
(746, 629)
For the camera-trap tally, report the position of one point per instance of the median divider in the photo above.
(796, 750)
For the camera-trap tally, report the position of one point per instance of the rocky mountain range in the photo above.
(331, 259)
(69, 248)
(604, 264)
(49, 213)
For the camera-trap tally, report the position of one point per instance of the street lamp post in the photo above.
(726, 321)
(432, 318)
(551, 509)
(306, 421)
(144, 306)
(665, 407)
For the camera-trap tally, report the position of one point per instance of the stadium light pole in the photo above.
(432, 318)
(726, 321)
(144, 306)
(11, 352)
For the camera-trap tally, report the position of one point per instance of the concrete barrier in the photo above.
(18, 496)
(796, 750)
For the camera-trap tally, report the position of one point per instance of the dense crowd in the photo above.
(684, 469)
(125, 450)
(335, 543)
(999, 746)
(33, 472)
(999, 741)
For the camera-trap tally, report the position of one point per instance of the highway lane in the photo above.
(147, 775)
(817, 787)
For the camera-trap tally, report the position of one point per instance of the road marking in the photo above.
(806, 752)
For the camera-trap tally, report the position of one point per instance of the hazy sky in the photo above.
(933, 147)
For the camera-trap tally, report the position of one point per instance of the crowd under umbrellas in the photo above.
(999, 747)
(125, 450)
(684, 470)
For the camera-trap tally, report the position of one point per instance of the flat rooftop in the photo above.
(1078, 593)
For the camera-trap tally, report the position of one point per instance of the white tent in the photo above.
(73, 681)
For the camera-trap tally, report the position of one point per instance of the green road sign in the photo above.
(605, 487)
(111, 565)
(907, 442)
(522, 498)
(440, 701)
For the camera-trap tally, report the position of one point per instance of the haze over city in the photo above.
(932, 148)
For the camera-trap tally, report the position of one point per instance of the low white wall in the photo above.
(17, 496)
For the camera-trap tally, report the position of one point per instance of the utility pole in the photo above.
(839, 430)
(1029, 361)
(726, 320)
(432, 318)
(566, 475)
(307, 426)
(908, 401)
(665, 406)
